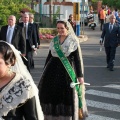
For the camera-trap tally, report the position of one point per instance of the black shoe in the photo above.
(111, 69)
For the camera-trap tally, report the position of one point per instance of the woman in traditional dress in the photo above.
(58, 100)
(18, 94)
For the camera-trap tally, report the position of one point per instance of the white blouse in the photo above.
(69, 45)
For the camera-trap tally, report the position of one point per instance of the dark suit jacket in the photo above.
(110, 39)
(36, 26)
(18, 38)
(31, 34)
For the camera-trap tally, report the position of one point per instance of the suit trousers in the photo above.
(110, 56)
(28, 55)
(101, 24)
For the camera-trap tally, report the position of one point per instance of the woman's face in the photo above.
(61, 29)
(3, 67)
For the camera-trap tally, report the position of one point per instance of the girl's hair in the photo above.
(7, 54)
(65, 24)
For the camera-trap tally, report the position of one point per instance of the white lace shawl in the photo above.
(16, 92)
(68, 46)
(20, 68)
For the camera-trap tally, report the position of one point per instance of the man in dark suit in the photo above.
(36, 27)
(111, 39)
(14, 35)
(31, 39)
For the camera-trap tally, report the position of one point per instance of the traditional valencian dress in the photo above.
(58, 100)
(18, 100)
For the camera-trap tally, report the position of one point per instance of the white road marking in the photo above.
(105, 106)
(114, 86)
(103, 94)
(98, 117)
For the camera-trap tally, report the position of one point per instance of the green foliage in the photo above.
(51, 31)
(112, 3)
(11, 7)
(56, 13)
(94, 1)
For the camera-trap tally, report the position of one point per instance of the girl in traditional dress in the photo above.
(18, 94)
(58, 100)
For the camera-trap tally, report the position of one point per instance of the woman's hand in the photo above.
(81, 80)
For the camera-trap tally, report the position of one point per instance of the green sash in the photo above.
(68, 68)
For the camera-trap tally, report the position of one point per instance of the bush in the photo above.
(47, 33)
(51, 31)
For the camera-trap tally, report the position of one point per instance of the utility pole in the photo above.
(40, 9)
(83, 4)
(50, 9)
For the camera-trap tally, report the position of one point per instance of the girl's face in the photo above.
(3, 66)
(61, 29)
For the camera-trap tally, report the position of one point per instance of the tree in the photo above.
(94, 0)
(11, 7)
(112, 3)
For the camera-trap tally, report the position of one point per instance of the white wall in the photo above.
(36, 8)
(63, 9)
(66, 11)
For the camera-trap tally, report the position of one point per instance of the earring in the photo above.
(9, 71)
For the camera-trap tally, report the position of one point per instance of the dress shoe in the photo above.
(111, 69)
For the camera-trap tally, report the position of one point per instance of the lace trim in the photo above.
(58, 118)
(69, 45)
(18, 93)
(57, 110)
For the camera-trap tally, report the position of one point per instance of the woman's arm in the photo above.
(78, 65)
(29, 109)
(48, 58)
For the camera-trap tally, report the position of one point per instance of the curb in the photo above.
(83, 38)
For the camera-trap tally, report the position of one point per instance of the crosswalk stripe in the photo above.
(105, 106)
(114, 86)
(98, 117)
(103, 94)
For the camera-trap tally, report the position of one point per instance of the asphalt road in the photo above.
(103, 95)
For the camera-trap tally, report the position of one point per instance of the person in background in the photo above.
(110, 37)
(14, 35)
(36, 27)
(31, 39)
(18, 92)
(109, 11)
(58, 100)
(72, 22)
(106, 14)
(116, 12)
(102, 17)
(99, 14)
(118, 19)
(21, 16)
